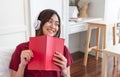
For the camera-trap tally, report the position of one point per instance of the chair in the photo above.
(114, 51)
(98, 24)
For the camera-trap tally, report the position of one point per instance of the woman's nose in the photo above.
(53, 25)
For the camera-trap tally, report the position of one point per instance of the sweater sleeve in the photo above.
(68, 56)
(15, 59)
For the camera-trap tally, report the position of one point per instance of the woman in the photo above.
(48, 23)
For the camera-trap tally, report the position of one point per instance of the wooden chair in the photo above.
(115, 52)
(98, 24)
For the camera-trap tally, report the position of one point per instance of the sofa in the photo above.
(5, 57)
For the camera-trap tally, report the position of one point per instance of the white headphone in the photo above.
(37, 24)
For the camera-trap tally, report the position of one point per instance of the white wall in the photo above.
(107, 9)
(112, 8)
(96, 8)
(14, 22)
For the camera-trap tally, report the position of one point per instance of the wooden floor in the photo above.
(93, 68)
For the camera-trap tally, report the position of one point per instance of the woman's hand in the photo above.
(61, 61)
(26, 56)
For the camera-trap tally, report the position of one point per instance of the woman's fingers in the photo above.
(60, 60)
(26, 56)
(60, 56)
(58, 64)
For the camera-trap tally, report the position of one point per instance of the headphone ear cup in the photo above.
(37, 24)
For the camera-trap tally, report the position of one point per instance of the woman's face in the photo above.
(52, 26)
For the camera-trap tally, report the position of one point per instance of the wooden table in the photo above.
(114, 51)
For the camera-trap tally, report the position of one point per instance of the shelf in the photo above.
(78, 27)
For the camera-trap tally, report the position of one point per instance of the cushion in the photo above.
(5, 57)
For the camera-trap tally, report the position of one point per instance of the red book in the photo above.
(43, 48)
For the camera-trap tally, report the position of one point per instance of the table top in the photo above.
(101, 22)
(114, 49)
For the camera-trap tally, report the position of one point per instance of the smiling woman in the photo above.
(49, 25)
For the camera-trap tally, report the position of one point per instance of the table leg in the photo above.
(87, 45)
(104, 65)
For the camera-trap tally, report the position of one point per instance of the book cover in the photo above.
(43, 48)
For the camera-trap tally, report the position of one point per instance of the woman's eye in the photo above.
(56, 24)
(50, 21)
